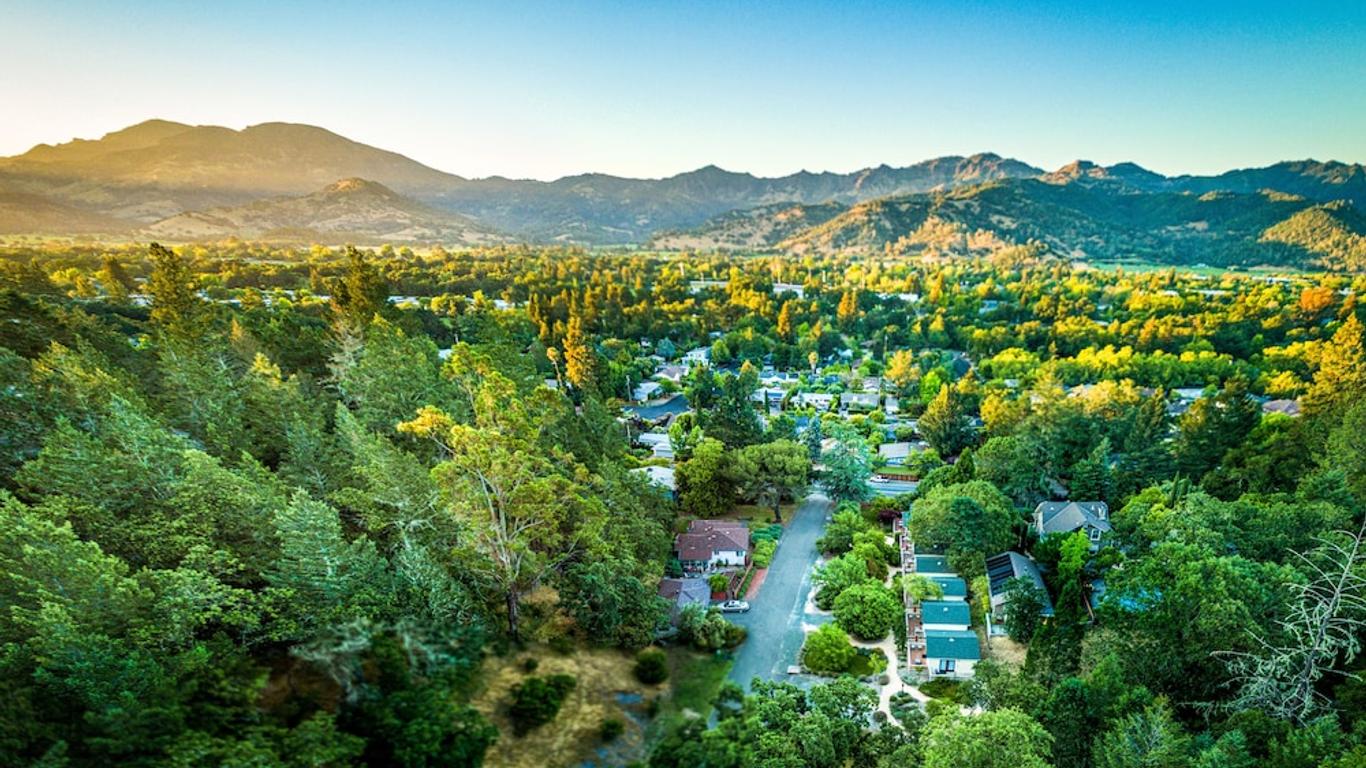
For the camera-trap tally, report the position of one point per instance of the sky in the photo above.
(650, 89)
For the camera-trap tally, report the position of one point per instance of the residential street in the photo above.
(776, 619)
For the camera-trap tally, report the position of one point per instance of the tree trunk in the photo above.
(513, 617)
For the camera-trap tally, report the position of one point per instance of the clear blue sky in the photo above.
(529, 89)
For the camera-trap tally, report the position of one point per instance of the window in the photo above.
(945, 666)
(1095, 534)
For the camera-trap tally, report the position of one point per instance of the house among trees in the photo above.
(662, 477)
(951, 653)
(1067, 516)
(646, 390)
(684, 592)
(1001, 569)
(954, 587)
(710, 545)
(945, 615)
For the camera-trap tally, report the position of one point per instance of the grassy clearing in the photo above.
(694, 679)
(606, 689)
(1007, 651)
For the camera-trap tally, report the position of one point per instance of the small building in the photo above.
(674, 373)
(932, 565)
(698, 356)
(954, 588)
(710, 545)
(859, 401)
(945, 614)
(793, 288)
(895, 454)
(818, 400)
(951, 653)
(646, 390)
(1067, 516)
(684, 592)
(1289, 408)
(662, 477)
(1000, 570)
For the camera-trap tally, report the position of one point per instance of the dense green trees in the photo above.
(220, 547)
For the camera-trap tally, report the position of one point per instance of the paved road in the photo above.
(778, 613)
(893, 487)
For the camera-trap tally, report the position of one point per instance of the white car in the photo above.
(879, 479)
(734, 606)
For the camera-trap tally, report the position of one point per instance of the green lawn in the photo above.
(694, 679)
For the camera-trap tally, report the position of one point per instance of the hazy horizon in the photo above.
(525, 90)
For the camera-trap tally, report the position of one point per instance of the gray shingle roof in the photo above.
(1068, 516)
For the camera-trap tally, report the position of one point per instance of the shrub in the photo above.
(868, 611)
(828, 650)
(536, 701)
(652, 666)
(561, 644)
(718, 582)
(763, 552)
(530, 663)
(735, 635)
(611, 728)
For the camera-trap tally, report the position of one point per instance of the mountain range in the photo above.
(300, 183)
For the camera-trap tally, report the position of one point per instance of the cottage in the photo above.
(710, 545)
(951, 652)
(954, 588)
(895, 454)
(698, 356)
(674, 373)
(662, 477)
(1284, 407)
(932, 565)
(646, 390)
(1068, 516)
(818, 400)
(945, 614)
(1000, 570)
(684, 592)
(859, 401)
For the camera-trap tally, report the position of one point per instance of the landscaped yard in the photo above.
(757, 515)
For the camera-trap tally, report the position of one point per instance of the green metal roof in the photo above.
(952, 644)
(945, 612)
(932, 564)
(952, 585)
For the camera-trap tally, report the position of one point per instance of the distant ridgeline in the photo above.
(288, 183)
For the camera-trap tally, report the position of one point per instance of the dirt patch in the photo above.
(606, 689)
(1007, 651)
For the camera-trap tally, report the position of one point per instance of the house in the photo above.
(895, 454)
(674, 373)
(793, 288)
(698, 356)
(945, 614)
(818, 400)
(1067, 516)
(1283, 407)
(954, 588)
(659, 444)
(646, 390)
(710, 545)
(951, 652)
(859, 401)
(932, 565)
(662, 477)
(684, 592)
(1000, 570)
(891, 405)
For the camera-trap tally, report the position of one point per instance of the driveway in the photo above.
(776, 619)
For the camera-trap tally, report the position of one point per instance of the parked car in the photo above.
(734, 606)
